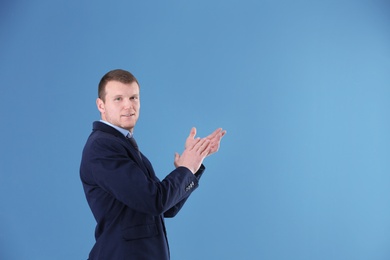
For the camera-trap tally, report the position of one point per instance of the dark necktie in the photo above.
(135, 145)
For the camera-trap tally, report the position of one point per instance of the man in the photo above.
(127, 200)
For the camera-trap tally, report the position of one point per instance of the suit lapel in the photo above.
(132, 151)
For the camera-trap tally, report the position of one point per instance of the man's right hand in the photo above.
(193, 155)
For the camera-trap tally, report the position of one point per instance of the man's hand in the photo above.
(191, 140)
(193, 154)
(215, 139)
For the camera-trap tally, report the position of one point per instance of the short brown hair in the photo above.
(120, 75)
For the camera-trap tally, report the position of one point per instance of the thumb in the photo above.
(192, 133)
(176, 160)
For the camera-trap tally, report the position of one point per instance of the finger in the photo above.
(213, 134)
(194, 143)
(220, 135)
(205, 148)
(192, 133)
(202, 145)
(190, 138)
(205, 153)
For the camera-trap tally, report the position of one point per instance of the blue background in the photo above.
(302, 87)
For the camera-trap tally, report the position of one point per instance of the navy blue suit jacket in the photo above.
(127, 200)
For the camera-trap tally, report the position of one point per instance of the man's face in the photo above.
(121, 105)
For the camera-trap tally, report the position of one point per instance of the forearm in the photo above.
(175, 209)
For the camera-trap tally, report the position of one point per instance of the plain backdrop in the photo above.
(302, 87)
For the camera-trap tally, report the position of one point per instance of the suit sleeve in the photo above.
(175, 209)
(107, 168)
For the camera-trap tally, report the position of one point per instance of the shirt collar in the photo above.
(123, 131)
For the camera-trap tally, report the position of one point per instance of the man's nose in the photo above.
(128, 103)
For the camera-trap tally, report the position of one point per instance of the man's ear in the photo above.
(100, 105)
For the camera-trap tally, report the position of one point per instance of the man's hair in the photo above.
(120, 75)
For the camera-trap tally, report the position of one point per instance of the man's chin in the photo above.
(128, 127)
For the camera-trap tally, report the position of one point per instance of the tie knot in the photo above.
(134, 144)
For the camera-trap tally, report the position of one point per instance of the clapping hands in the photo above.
(196, 149)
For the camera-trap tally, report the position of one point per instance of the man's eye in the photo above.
(118, 99)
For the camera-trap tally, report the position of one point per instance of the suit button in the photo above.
(190, 186)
